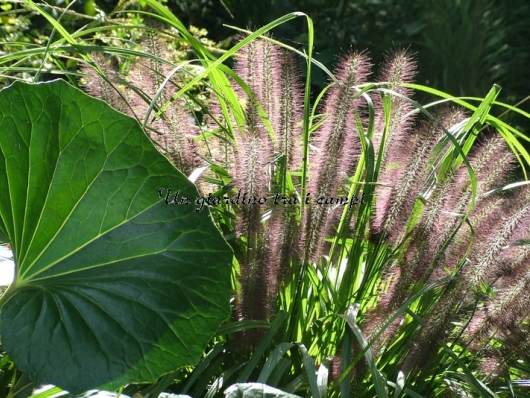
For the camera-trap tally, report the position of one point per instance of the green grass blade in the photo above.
(233, 327)
(275, 356)
(377, 377)
(309, 366)
(260, 350)
(201, 368)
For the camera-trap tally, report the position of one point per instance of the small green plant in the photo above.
(379, 245)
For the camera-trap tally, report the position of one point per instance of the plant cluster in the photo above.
(383, 240)
(431, 221)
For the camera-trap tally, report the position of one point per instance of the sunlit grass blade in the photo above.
(508, 132)
(378, 379)
(310, 371)
(50, 392)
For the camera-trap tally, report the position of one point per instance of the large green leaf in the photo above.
(112, 285)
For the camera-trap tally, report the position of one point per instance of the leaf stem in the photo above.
(10, 291)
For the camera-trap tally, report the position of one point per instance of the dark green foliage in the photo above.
(463, 46)
(104, 267)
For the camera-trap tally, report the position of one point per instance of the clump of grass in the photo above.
(423, 277)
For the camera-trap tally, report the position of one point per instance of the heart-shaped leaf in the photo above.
(112, 285)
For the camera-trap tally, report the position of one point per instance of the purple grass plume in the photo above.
(338, 145)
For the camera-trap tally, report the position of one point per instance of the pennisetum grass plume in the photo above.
(421, 216)
(338, 146)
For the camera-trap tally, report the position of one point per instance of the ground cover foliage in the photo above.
(380, 245)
